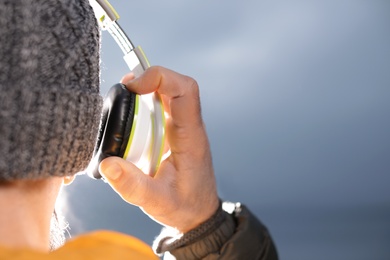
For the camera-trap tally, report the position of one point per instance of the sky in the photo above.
(295, 96)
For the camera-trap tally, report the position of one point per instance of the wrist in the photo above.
(171, 239)
(198, 217)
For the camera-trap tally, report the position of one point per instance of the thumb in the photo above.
(126, 179)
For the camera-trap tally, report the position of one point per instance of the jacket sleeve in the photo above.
(235, 234)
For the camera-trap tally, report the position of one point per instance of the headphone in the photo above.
(132, 126)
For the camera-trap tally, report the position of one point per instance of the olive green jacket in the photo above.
(239, 235)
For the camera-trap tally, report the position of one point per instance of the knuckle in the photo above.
(131, 190)
(193, 86)
(155, 70)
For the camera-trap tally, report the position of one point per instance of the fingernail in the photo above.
(128, 77)
(112, 172)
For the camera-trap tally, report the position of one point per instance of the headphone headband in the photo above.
(107, 19)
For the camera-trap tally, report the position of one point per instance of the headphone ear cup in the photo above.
(115, 126)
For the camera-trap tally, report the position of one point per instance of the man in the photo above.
(49, 110)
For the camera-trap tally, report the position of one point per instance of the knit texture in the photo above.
(50, 104)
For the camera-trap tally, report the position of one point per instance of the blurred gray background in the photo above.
(295, 97)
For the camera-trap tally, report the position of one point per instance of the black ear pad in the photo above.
(115, 126)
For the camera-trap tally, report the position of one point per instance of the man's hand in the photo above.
(183, 192)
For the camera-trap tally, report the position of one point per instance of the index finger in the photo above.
(185, 125)
(182, 92)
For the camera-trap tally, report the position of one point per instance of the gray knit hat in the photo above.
(50, 104)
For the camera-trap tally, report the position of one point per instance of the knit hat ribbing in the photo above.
(50, 104)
